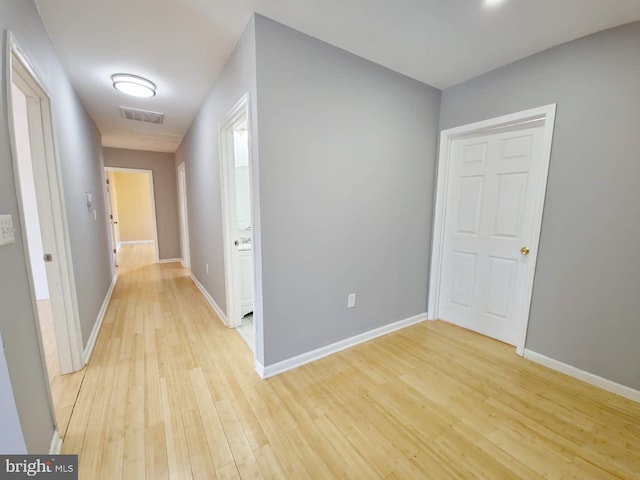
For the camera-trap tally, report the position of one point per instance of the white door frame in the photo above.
(237, 113)
(546, 114)
(112, 216)
(149, 174)
(183, 212)
(48, 178)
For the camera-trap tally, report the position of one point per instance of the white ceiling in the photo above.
(182, 45)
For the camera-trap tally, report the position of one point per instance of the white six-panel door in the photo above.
(489, 227)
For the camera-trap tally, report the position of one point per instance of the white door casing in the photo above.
(491, 184)
(238, 239)
(184, 217)
(112, 205)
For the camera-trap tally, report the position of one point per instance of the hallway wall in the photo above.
(199, 151)
(80, 155)
(166, 192)
(11, 437)
(347, 165)
(346, 160)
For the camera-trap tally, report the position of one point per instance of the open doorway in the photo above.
(184, 217)
(236, 190)
(132, 211)
(45, 235)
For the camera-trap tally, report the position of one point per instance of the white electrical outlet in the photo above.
(206, 268)
(7, 231)
(351, 300)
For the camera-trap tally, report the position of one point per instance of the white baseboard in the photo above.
(170, 260)
(211, 301)
(56, 443)
(135, 242)
(318, 353)
(259, 367)
(91, 343)
(590, 378)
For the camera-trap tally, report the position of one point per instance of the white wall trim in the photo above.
(258, 367)
(183, 216)
(211, 301)
(170, 260)
(546, 113)
(590, 378)
(134, 242)
(318, 353)
(91, 343)
(108, 217)
(55, 447)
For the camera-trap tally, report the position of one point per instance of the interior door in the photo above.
(241, 221)
(489, 224)
(113, 215)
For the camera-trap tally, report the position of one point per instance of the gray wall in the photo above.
(80, 157)
(165, 188)
(585, 302)
(11, 437)
(199, 151)
(347, 159)
(78, 144)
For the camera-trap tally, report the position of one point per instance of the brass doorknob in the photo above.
(524, 250)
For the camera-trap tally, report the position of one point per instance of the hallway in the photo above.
(171, 393)
(148, 403)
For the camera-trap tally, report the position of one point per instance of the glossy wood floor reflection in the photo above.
(170, 393)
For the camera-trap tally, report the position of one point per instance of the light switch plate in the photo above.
(7, 231)
(351, 300)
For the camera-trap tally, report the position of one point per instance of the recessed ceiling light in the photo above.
(492, 3)
(133, 85)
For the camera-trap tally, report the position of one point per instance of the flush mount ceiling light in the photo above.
(133, 85)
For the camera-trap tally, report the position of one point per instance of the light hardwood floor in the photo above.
(64, 388)
(171, 393)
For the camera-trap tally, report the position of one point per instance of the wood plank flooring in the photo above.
(170, 393)
(64, 388)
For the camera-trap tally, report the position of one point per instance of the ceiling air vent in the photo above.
(142, 115)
